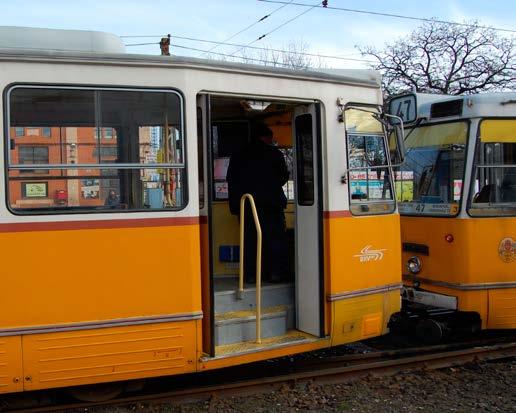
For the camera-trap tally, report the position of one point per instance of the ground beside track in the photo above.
(474, 387)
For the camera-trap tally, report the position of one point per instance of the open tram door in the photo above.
(291, 307)
(309, 249)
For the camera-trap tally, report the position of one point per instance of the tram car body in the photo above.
(120, 255)
(457, 200)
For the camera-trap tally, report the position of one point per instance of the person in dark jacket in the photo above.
(259, 169)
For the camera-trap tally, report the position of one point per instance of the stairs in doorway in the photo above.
(235, 319)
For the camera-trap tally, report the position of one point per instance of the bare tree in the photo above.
(448, 59)
(292, 56)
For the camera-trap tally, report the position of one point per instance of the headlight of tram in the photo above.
(414, 265)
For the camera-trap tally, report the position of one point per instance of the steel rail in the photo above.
(324, 375)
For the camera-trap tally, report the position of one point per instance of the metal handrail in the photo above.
(258, 260)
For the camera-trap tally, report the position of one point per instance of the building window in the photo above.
(142, 167)
(33, 155)
(19, 132)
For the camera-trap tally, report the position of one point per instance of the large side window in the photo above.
(100, 150)
(370, 186)
(493, 191)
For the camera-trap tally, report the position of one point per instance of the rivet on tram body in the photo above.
(449, 238)
(16, 379)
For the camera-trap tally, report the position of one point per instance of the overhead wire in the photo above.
(398, 16)
(234, 57)
(251, 25)
(255, 48)
(216, 53)
(278, 27)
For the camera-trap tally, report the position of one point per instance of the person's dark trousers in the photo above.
(250, 248)
(274, 246)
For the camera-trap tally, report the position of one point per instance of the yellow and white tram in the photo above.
(119, 254)
(457, 200)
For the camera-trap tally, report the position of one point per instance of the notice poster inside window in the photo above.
(35, 190)
(221, 190)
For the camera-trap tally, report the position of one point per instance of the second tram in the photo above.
(457, 200)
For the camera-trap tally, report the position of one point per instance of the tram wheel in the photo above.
(430, 331)
(96, 392)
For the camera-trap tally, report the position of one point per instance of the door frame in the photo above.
(203, 100)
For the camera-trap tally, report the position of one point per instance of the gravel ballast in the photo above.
(474, 387)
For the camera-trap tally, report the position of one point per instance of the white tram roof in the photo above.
(477, 105)
(19, 43)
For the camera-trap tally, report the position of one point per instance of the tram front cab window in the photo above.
(493, 190)
(368, 171)
(430, 180)
(94, 150)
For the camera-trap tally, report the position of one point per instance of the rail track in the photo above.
(327, 370)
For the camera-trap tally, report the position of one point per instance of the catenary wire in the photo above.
(257, 48)
(251, 25)
(398, 16)
(279, 27)
(216, 53)
(234, 57)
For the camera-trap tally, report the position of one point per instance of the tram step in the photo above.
(272, 295)
(238, 326)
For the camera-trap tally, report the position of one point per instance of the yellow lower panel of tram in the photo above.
(502, 309)
(109, 354)
(363, 317)
(11, 374)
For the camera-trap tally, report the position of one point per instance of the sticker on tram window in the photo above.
(428, 208)
(221, 190)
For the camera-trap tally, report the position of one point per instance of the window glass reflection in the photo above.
(74, 149)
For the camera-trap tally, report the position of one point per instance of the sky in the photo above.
(320, 31)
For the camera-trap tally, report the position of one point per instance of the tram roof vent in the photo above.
(30, 38)
(447, 108)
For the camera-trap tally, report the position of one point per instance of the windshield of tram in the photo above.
(493, 189)
(430, 180)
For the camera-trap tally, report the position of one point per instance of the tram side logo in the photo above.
(507, 250)
(368, 254)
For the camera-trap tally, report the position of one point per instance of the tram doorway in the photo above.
(291, 306)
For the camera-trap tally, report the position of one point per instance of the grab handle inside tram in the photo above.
(240, 293)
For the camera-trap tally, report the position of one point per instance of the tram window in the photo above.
(369, 177)
(493, 191)
(200, 156)
(305, 160)
(101, 149)
(288, 188)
